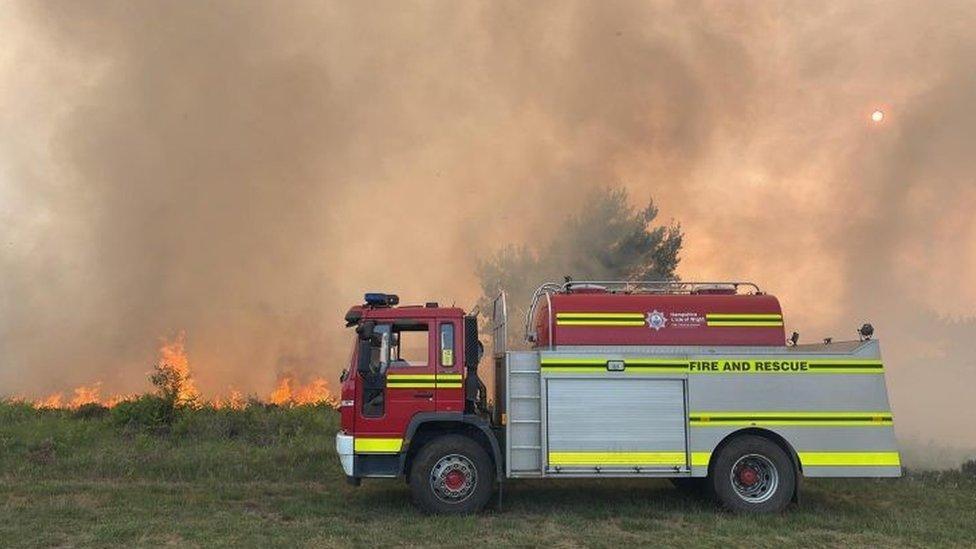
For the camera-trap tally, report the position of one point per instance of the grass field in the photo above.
(268, 476)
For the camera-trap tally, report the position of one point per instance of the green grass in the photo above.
(269, 477)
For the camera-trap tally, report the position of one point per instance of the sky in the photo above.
(241, 172)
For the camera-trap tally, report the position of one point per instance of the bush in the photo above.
(969, 467)
(92, 410)
(12, 411)
(149, 412)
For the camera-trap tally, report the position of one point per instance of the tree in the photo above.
(607, 240)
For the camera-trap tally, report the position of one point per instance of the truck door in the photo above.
(409, 381)
(450, 383)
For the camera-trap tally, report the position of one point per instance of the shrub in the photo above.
(969, 467)
(16, 410)
(92, 410)
(150, 412)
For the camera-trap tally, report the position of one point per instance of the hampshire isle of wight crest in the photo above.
(656, 320)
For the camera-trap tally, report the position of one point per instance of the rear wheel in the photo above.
(452, 475)
(753, 475)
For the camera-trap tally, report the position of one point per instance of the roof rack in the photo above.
(625, 287)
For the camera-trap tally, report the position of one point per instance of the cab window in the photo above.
(447, 345)
(409, 346)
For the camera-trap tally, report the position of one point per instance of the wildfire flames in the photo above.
(290, 392)
(174, 363)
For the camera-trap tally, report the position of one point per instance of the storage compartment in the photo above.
(620, 425)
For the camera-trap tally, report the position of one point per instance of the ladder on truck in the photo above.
(518, 388)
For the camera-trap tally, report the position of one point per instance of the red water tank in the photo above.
(706, 316)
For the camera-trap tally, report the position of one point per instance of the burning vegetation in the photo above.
(173, 379)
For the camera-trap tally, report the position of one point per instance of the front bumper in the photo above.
(344, 447)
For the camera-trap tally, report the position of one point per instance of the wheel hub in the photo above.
(453, 478)
(748, 476)
(754, 478)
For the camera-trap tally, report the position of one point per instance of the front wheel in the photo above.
(452, 475)
(753, 475)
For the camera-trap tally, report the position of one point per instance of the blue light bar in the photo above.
(377, 299)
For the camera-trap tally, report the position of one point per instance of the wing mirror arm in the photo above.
(384, 353)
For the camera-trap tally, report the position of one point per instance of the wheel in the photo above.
(753, 475)
(452, 474)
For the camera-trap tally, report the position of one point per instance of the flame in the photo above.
(86, 395)
(50, 401)
(174, 361)
(173, 358)
(236, 400)
(290, 392)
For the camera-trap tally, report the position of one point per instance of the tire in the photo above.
(752, 474)
(452, 475)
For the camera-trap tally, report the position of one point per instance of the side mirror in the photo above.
(473, 349)
(365, 330)
(365, 352)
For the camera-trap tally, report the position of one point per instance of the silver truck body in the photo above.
(663, 411)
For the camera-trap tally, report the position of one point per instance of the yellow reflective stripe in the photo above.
(424, 381)
(777, 365)
(771, 316)
(718, 415)
(758, 324)
(625, 323)
(438, 385)
(616, 458)
(639, 316)
(757, 320)
(424, 376)
(826, 459)
(558, 360)
(572, 370)
(849, 459)
(377, 445)
(597, 365)
(773, 365)
(866, 361)
(806, 419)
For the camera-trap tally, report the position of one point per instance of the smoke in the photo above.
(244, 170)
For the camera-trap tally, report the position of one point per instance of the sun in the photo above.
(877, 116)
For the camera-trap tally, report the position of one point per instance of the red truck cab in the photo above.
(406, 378)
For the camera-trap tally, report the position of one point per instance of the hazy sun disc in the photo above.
(877, 116)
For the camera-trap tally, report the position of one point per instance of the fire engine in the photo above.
(691, 381)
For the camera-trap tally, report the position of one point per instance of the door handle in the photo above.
(423, 395)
